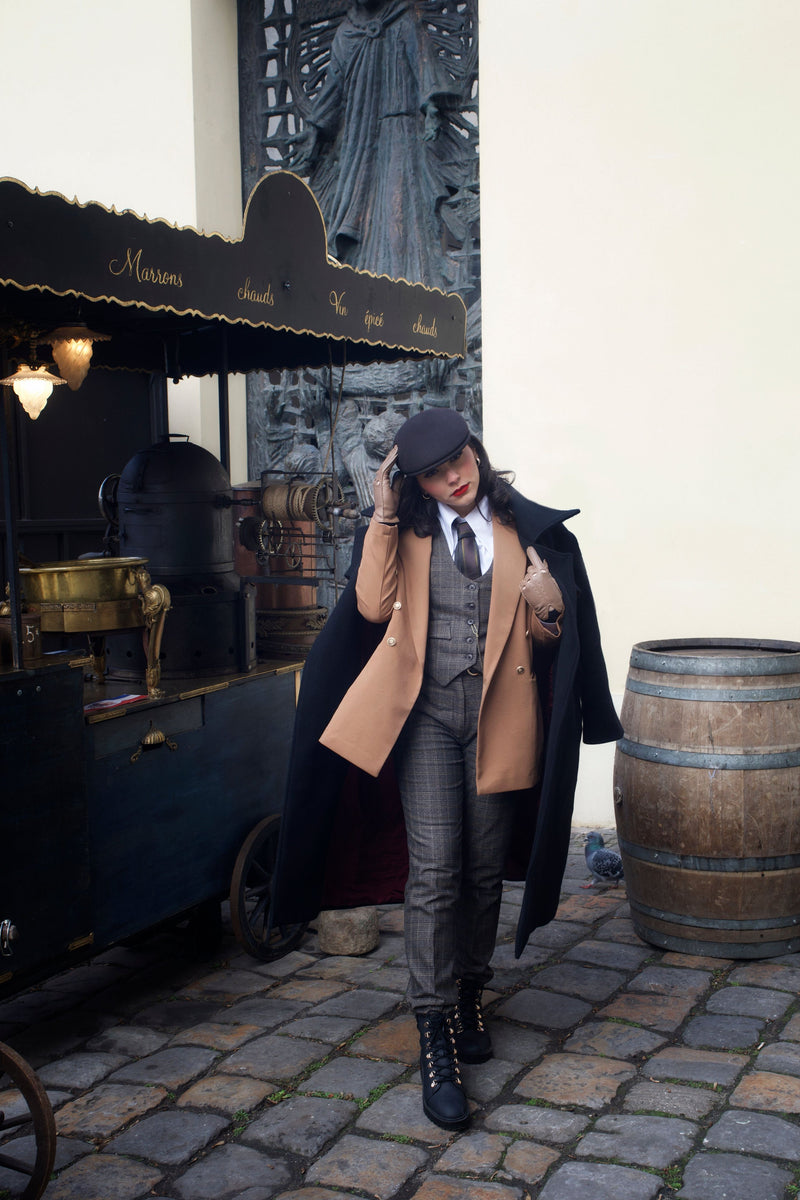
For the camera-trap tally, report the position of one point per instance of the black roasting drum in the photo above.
(175, 510)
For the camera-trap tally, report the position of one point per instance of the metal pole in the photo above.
(8, 465)
(224, 410)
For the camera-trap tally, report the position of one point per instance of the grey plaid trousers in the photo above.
(457, 843)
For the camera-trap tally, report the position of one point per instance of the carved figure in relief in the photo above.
(368, 141)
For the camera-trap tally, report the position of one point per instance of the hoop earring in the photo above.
(477, 460)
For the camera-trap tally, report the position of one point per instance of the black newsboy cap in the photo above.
(429, 439)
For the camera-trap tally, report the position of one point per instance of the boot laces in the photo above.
(469, 1013)
(440, 1053)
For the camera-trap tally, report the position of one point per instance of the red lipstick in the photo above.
(462, 490)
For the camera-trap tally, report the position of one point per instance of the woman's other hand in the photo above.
(540, 590)
(385, 496)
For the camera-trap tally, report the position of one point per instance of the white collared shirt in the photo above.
(481, 521)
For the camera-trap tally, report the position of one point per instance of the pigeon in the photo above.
(605, 865)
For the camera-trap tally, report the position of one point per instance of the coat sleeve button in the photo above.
(391, 641)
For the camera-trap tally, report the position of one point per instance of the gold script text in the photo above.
(337, 300)
(427, 330)
(248, 293)
(134, 266)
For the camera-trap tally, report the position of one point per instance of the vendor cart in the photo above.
(133, 801)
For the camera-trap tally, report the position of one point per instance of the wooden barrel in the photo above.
(707, 796)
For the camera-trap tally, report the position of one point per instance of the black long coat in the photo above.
(342, 839)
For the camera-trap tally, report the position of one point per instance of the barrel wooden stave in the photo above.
(710, 835)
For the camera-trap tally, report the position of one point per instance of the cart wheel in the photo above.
(24, 1078)
(251, 889)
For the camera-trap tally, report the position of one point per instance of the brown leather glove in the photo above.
(385, 497)
(540, 590)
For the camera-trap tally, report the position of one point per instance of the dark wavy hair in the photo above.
(421, 513)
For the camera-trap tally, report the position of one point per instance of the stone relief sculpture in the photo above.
(375, 104)
(366, 143)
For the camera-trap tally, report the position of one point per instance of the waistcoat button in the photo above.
(393, 642)
(520, 670)
(397, 604)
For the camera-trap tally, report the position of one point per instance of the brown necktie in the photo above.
(466, 555)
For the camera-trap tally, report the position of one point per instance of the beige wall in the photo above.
(134, 106)
(640, 193)
(640, 199)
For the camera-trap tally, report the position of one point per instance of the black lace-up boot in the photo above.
(473, 1043)
(443, 1099)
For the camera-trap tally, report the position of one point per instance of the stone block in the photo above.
(361, 1003)
(723, 1033)
(768, 975)
(477, 1153)
(714, 1176)
(613, 1040)
(169, 1138)
(399, 1113)
(763, 1089)
(755, 1133)
(584, 1080)
(228, 1172)
(443, 1187)
(106, 1109)
(366, 1165)
(641, 1140)
(609, 954)
(662, 1013)
(170, 1068)
(697, 1066)
(529, 1161)
(749, 1002)
(674, 1100)
(300, 1125)
(530, 1121)
(671, 981)
(351, 931)
(532, 1006)
(781, 1057)
(275, 1057)
(587, 982)
(227, 1093)
(100, 1176)
(600, 1181)
(396, 1039)
(352, 1077)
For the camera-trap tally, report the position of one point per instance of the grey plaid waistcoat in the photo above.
(456, 605)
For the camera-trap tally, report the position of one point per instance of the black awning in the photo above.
(170, 296)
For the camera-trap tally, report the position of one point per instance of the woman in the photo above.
(476, 639)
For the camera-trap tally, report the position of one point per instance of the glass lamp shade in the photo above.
(72, 350)
(32, 386)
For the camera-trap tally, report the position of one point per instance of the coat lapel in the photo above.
(507, 573)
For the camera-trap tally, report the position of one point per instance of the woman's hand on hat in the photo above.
(386, 498)
(540, 590)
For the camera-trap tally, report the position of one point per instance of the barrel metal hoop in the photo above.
(701, 862)
(710, 762)
(713, 922)
(653, 656)
(713, 695)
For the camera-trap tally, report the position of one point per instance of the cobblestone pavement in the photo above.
(620, 1072)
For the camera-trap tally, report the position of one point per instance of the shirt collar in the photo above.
(480, 519)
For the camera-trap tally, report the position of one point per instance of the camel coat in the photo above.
(393, 585)
(342, 839)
